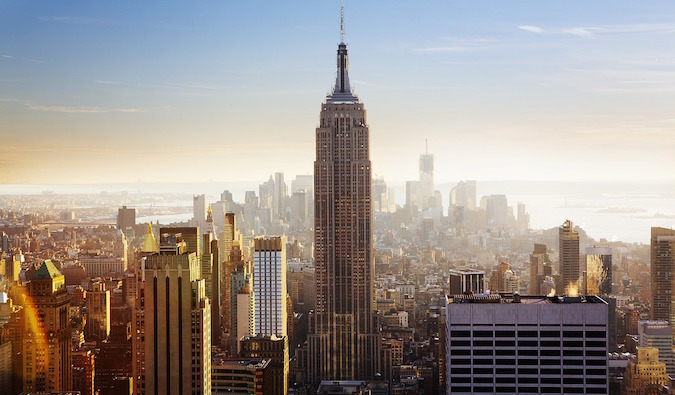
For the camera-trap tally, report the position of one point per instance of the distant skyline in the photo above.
(230, 91)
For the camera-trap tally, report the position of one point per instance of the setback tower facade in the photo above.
(343, 343)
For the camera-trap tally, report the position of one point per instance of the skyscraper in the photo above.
(269, 286)
(662, 264)
(177, 321)
(210, 271)
(279, 196)
(43, 335)
(126, 217)
(598, 271)
(98, 312)
(199, 211)
(568, 243)
(343, 341)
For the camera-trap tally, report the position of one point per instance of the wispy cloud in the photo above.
(7, 56)
(188, 85)
(75, 20)
(34, 60)
(594, 30)
(531, 28)
(105, 82)
(70, 109)
(79, 110)
(450, 48)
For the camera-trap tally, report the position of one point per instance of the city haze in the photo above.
(103, 93)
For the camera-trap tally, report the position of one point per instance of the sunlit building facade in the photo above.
(177, 321)
(662, 272)
(598, 277)
(568, 243)
(343, 343)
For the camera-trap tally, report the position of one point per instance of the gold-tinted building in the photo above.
(177, 320)
(645, 374)
(568, 243)
(42, 346)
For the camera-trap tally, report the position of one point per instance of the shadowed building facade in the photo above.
(343, 343)
(662, 264)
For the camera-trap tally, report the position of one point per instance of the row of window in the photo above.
(528, 343)
(533, 390)
(527, 371)
(525, 333)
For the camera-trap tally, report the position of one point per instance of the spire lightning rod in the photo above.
(342, 21)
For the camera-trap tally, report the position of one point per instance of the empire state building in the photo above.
(343, 341)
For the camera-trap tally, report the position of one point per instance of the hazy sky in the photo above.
(231, 90)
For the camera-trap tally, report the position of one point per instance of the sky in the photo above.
(97, 92)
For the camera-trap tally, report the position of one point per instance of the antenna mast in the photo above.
(342, 21)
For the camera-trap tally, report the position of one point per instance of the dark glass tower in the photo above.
(343, 341)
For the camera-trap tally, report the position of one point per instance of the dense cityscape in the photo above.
(327, 283)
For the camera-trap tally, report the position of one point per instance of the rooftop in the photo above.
(499, 298)
(47, 270)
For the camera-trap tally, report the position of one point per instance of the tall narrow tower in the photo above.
(662, 264)
(343, 340)
(568, 242)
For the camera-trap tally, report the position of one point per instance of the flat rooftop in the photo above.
(499, 298)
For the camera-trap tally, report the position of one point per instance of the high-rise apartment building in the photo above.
(126, 217)
(526, 344)
(177, 321)
(568, 242)
(662, 272)
(598, 271)
(343, 343)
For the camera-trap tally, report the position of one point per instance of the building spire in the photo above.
(342, 92)
(342, 21)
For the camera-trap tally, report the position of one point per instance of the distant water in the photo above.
(622, 211)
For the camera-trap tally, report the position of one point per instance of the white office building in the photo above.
(269, 286)
(526, 344)
(658, 334)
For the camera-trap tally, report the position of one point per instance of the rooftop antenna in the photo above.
(342, 21)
